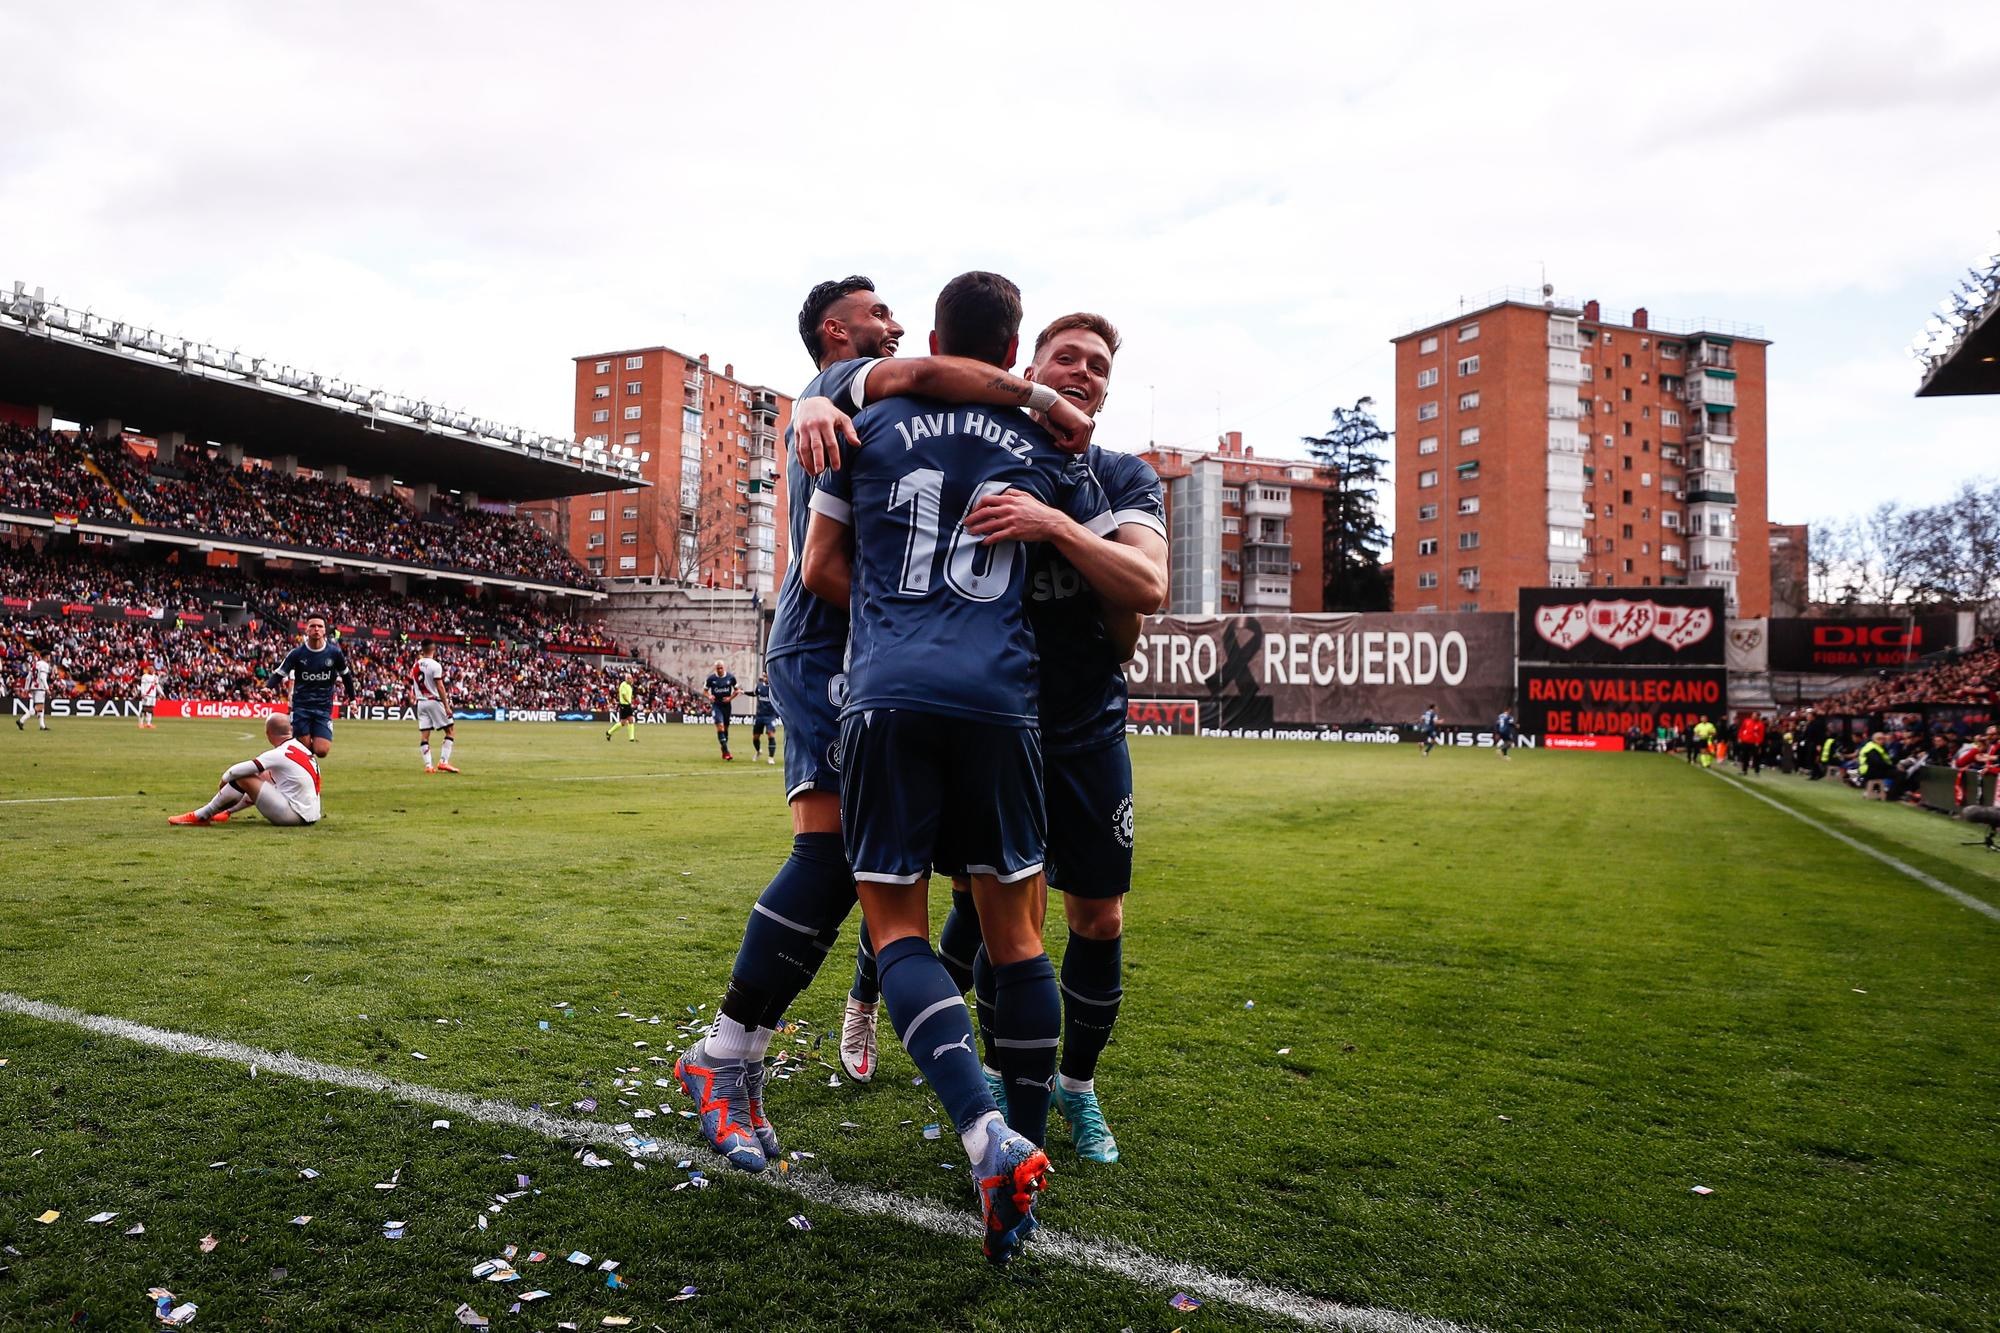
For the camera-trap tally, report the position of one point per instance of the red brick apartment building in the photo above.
(1248, 533)
(1544, 444)
(713, 449)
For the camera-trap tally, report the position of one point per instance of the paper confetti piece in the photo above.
(1180, 1300)
(48, 1217)
(100, 1219)
(208, 1244)
(607, 1266)
(308, 1174)
(1702, 1190)
(419, 1055)
(617, 1320)
(471, 1318)
(136, 1229)
(181, 1315)
(528, 1296)
(482, 1221)
(614, 1282)
(578, 1257)
(801, 1222)
(1247, 1004)
(1284, 1050)
(536, 1257)
(440, 1124)
(392, 1233)
(302, 1219)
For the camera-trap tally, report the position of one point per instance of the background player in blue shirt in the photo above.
(844, 325)
(765, 723)
(310, 671)
(721, 687)
(940, 752)
(1427, 727)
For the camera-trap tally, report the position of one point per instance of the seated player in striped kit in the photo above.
(281, 784)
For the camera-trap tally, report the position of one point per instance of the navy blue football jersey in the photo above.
(1083, 677)
(939, 625)
(802, 621)
(767, 703)
(720, 688)
(313, 673)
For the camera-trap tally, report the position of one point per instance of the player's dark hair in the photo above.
(978, 314)
(818, 301)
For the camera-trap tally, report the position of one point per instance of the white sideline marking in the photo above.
(1959, 896)
(53, 800)
(1120, 1260)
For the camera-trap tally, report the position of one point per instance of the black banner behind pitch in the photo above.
(1622, 626)
(1860, 644)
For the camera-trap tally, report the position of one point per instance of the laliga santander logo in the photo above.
(1623, 623)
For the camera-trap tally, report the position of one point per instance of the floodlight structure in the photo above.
(33, 313)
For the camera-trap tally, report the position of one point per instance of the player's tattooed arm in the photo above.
(819, 428)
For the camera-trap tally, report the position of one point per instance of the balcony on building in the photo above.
(1712, 425)
(1268, 533)
(1267, 594)
(1712, 355)
(1567, 410)
(1564, 368)
(1716, 388)
(1711, 485)
(1261, 501)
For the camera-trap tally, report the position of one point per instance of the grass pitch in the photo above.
(1453, 1037)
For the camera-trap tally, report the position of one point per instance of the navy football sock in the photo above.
(958, 942)
(982, 986)
(792, 925)
(1027, 1022)
(1091, 971)
(867, 986)
(930, 1019)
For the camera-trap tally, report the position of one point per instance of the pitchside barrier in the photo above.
(1942, 787)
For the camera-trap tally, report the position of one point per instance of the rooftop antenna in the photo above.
(1152, 416)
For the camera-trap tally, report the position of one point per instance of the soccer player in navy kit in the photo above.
(721, 687)
(941, 758)
(310, 671)
(844, 325)
(765, 723)
(1427, 728)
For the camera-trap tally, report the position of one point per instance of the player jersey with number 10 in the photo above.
(939, 625)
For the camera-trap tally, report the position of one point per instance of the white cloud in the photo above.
(453, 200)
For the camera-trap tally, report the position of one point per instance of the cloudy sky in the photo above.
(450, 201)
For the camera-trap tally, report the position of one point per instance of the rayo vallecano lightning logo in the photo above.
(1121, 823)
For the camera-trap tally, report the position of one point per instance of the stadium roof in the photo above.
(1960, 347)
(88, 368)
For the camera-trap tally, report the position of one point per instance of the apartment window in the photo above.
(632, 413)
(1468, 541)
(597, 516)
(1426, 378)
(1626, 532)
(1607, 372)
(632, 388)
(1427, 579)
(1625, 428)
(1428, 546)
(1625, 463)
(1470, 435)
(1645, 548)
(596, 540)
(1428, 445)
(1468, 577)
(1425, 513)
(1427, 411)
(1628, 566)
(1427, 478)
(596, 564)
(631, 511)
(1625, 496)
(1467, 332)
(1231, 495)
(1428, 345)
(1468, 365)
(604, 368)
(1607, 442)
(1671, 520)
(1468, 472)
(601, 391)
(635, 362)
(1607, 511)
(1624, 395)
(1626, 360)
(1608, 544)
(1669, 417)
(1467, 401)
(628, 562)
(1468, 504)
(601, 414)
(1645, 479)
(628, 539)
(1230, 523)
(631, 437)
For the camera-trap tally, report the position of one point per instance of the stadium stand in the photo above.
(52, 473)
(1971, 676)
(219, 632)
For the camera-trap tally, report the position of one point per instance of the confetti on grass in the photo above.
(1703, 1190)
(802, 1222)
(1180, 1300)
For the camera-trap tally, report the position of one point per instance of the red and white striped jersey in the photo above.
(427, 679)
(291, 767)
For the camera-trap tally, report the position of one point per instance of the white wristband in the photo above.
(1041, 398)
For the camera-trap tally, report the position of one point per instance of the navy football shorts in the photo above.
(1090, 820)
(924, 790)
(308, 724)
(720, 713)
(811, 688)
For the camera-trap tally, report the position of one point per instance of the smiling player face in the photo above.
(871, 329)
(1076, 363)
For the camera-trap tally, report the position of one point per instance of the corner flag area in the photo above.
(1566, 1040)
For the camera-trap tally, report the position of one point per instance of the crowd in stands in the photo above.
(247, 623)
(110, 481)
(1971, 676)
